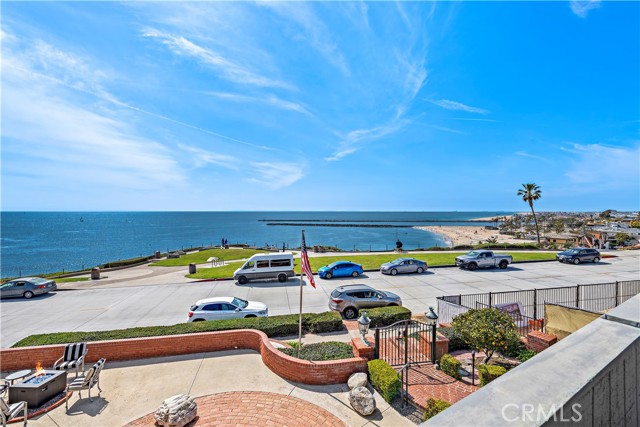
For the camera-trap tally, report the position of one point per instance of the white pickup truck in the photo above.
(483, 259)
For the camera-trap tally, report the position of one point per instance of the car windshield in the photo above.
(335, 264)
(240, 302)
(38, 280)
(473, 253)
(397, 261)
(572, 251)
(335, 293)
(194, 307)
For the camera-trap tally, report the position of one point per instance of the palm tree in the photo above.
(529, 193)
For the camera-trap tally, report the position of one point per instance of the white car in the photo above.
(226, 308)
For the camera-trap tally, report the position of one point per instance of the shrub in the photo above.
(489, 373)
(385, 316)
(328, 350)
(455, 341)
(450, 366)
(513, 348)
(329, 321)
(273, 326)
(385, 379)
(487, 329)
(526, 355)
(433, 407)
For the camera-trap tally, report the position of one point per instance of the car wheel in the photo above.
(242, 280)
(420, 270)
(28, 295)
(503, 264)
(249, 315)
(394, 272)
(282, 278)
(473, 266)
(328, 276)
(350, 313)
(596, 259)
(576, 261)
(355, 274)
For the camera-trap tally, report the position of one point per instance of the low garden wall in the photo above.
(303, 371)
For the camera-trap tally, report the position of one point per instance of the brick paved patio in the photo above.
(253, 409)
(425, 382)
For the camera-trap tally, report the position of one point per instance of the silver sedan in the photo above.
(27, 287)
(403, 265)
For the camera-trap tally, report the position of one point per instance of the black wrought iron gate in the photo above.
(405, 344)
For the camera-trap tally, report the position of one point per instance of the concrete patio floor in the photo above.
(133, 389)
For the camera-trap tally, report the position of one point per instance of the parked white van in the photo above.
(277, 265)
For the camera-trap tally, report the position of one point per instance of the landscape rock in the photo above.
(362, 401)
(176, 411)
(358, 379)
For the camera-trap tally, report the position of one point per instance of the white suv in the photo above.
(226, 308)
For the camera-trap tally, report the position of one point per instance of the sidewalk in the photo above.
(134, 389)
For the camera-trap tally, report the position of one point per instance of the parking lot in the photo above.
(124, 305)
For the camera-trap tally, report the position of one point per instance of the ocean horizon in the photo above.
(45, 242)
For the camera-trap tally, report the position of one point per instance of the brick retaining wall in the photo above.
(290, 368)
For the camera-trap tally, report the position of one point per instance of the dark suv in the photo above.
(349, 299)
(578, 255)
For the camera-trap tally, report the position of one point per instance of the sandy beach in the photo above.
(468, 234)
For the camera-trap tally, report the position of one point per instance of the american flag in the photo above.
(306, 268)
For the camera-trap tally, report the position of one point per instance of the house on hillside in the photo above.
(562, 239)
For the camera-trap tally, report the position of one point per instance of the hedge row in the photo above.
(489, 373)
(328, 350)
(385, 316)
(385, 379)
(273, 326)
(450, 366)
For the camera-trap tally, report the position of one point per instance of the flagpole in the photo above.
(300, 318)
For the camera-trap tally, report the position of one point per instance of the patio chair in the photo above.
(4, 386)
(8, 412)
(86, 382)
(73, 357)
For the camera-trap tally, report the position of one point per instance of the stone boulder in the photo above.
(362, 401)
(176, 411)
(358, 379)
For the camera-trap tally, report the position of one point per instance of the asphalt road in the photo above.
(125, 306)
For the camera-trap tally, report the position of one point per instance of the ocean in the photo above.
(44, 242)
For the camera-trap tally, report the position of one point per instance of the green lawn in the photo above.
(369, 262)
(202, 256)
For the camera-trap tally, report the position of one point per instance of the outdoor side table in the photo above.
(17, 375)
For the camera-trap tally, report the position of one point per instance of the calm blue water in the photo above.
(43, 242)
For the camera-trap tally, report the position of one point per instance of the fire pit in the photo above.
(38, 388)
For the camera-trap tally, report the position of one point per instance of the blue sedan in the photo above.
(340, 269)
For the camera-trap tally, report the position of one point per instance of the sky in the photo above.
(416, 106)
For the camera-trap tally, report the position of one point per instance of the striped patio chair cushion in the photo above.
(74, 351)
(66, 365)
(4, 407)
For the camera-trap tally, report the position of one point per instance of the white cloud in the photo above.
(582, 8)
(531, 156)
(314, 31)
(458, 106)
(267, 99)
(356, 139)
(275, 175)
(204, 157)
(225, 67)
(604, 165)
